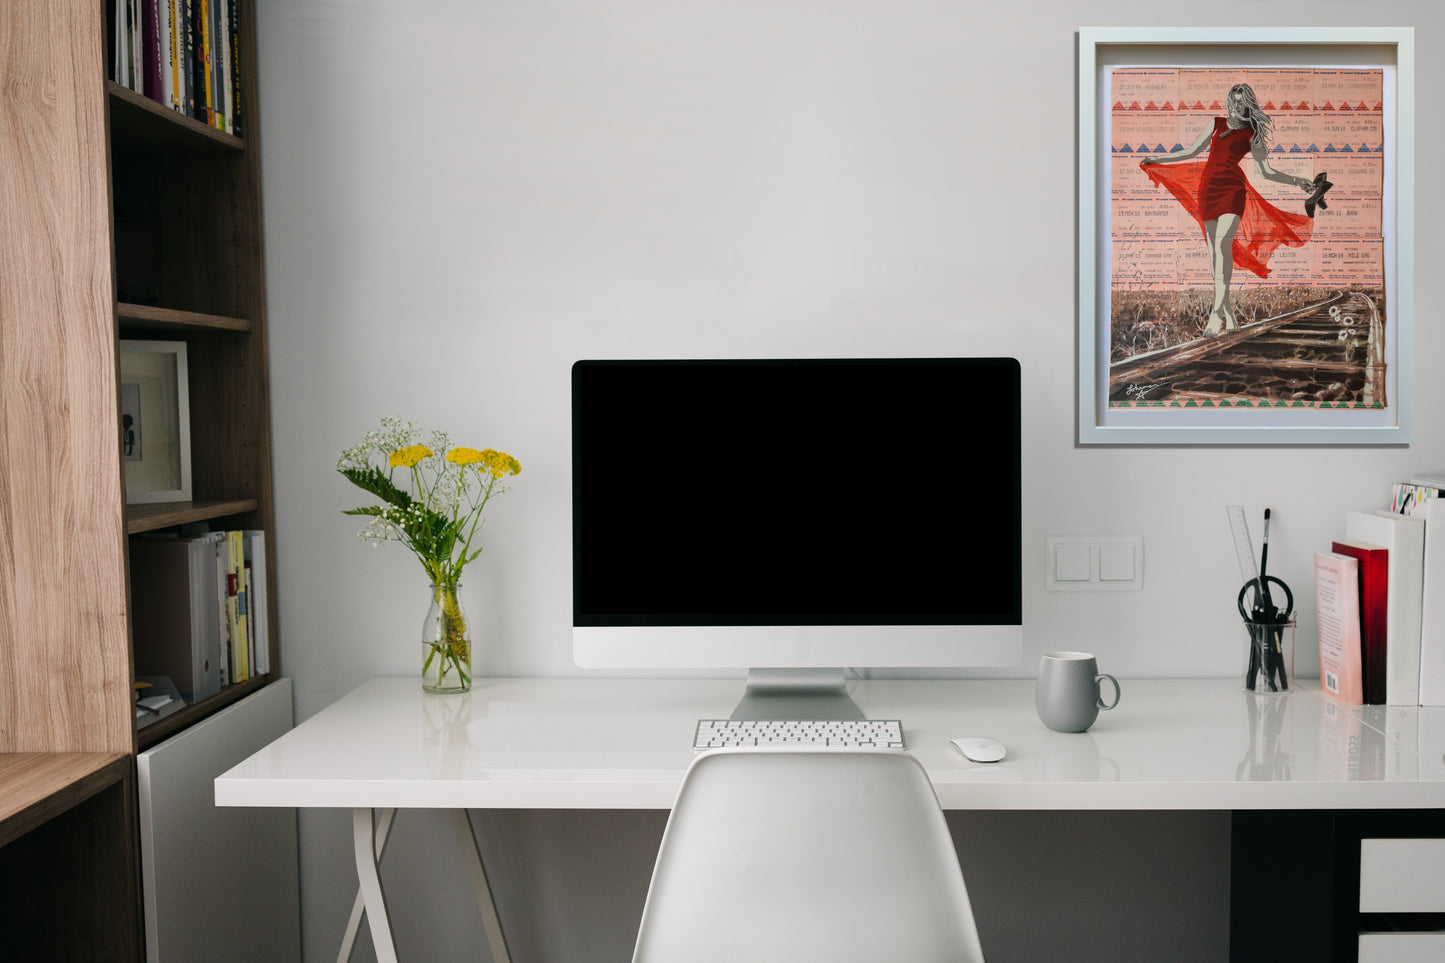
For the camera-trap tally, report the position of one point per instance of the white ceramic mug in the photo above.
(1068, 696)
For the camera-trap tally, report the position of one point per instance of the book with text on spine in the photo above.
(1337, 604)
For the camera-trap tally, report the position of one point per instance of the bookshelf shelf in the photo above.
(35, 787)
(137, 121)
(183, 718)
(150, 518)
(136, 318)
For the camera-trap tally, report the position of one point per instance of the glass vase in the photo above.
(446, 642)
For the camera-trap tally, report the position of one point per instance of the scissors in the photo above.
(1265, 619)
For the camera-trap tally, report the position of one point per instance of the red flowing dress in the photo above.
(1217, 185)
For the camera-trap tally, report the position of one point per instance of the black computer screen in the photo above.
(796, 492)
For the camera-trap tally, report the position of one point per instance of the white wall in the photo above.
(462, 198)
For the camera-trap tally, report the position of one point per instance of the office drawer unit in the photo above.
(1401, 876)
(220, 884)
(1402, 947)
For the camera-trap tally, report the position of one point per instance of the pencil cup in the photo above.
(1269, 661)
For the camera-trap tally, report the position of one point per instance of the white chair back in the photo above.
(794, 855)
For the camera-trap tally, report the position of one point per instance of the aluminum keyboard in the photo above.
(849, 734)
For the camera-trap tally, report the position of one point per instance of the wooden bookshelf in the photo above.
(35, 787)
(154, 517)
(123, 219)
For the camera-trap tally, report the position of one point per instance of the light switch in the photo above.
(1116, 563)
(1071, 563)
(1094, 563)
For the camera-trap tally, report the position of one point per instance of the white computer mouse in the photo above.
(979, 748)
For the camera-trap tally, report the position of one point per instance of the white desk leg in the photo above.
(358, 908)
(472, 857)
(364, 841)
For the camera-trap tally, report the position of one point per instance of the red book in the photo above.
(1374, 597)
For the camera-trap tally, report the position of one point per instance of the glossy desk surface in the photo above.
(1180, 744)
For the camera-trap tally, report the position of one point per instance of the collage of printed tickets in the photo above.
(1325, 120)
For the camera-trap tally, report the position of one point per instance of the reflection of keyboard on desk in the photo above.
(850, 734)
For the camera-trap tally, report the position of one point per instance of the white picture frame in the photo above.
(1101, 51)
(155, 421)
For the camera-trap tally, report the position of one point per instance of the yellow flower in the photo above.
(499, 464)
(463, 456)
(409, 456)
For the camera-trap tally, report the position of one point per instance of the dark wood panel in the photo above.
(70, 888)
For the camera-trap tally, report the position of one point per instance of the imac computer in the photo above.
(796, 518)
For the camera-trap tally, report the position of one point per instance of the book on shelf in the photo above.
(1431, 511)
(150, 48)
(1337, 604)
(181, 53)
(236, 606)
(236, 106)
(1403, 537)
(1373, 585)
(173, 612)
(1404, 496)
(223, 618)
(258, 622)
(165, 52)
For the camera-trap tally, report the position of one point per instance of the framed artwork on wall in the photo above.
(1246, 236)
(155, 421)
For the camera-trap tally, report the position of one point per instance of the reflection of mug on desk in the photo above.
(1068, 695)
(1073, 757)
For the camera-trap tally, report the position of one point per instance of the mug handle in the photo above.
(1102, 703)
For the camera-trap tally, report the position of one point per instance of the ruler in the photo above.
(1243, 548)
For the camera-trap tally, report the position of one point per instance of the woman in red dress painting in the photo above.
(1240, 226)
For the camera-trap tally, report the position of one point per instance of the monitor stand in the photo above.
(819, 694)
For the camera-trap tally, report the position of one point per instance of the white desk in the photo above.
(1201, 744)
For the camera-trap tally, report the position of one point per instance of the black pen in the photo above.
(1269, 611)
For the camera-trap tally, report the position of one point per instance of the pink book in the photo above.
(1337, 606)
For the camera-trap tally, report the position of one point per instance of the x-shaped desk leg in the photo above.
(369, 840)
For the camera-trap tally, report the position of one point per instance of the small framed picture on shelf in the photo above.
(155, 421)
(1224, 299)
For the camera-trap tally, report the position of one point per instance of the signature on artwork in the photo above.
(1139, 391)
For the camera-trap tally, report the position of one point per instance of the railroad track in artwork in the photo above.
(1330, 352)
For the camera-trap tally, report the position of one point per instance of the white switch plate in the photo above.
(1115, 563)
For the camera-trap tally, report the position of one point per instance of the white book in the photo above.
(255, 542)
(1404, 537)
(1432, 607)
(223, 616)
(163, 50)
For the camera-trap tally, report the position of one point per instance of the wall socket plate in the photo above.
(1094, 563)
